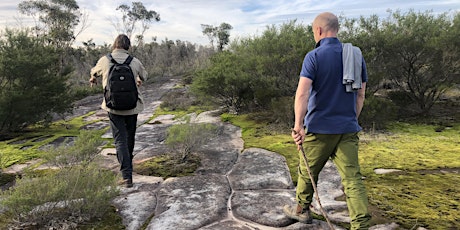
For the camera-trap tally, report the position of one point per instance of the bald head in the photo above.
(325, 25)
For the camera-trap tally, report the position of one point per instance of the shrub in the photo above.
(83, 150)
(177, 99)
(75, 194)
(377, 113)
(186, 138)
(33, 85)
(282, 110)
(400, 98)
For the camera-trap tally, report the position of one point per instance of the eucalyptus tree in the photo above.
(57, 20)
(133, 15)
(220, 33)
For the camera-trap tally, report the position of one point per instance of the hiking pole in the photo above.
(313, 183)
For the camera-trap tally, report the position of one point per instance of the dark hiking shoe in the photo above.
(126, 182)
(298, 213)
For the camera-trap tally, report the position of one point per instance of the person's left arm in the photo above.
(142, 74)
(360, 99)
(361, 92)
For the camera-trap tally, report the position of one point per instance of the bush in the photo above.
(53, 198)
(377, 113)
(186, 138)
(282, 110)
(83, 150)
(177, 99)
(255, 70)
(400, 98)
(76, 195)
(33, 82)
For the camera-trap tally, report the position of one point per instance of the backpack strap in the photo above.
(127, 61)
(109, 56)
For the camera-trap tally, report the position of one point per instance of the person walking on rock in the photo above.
(122, 75)
(329, 98)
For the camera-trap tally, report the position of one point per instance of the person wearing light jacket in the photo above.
(123, 123)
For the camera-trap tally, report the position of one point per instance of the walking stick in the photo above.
(304, 157)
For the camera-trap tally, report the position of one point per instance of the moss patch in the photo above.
(166, 166)
(256, 135)
(425, 194)
(28, 145)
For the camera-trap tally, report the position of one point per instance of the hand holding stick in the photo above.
(304, 157)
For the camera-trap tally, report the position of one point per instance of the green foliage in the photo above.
(221, 33)
(422, 195)
(133, 15)
(32, 144)
(417, 52)
(255, 134)
(189, 137)
(377, 113)
(82, 151)
(33, 87)
(416, 57)
(78, 193)
(178, 99)
(166, 166)
(256, 70)
(226, 82)
(58, 19)
(282, 112)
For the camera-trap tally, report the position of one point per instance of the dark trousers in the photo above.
(124, 132)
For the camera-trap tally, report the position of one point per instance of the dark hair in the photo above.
(121, 42)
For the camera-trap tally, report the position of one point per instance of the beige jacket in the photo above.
(102, 68)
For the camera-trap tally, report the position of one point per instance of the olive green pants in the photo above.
(343, 150)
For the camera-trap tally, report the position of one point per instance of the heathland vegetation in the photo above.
(411, 117)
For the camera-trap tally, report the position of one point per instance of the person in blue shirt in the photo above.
(326, 123)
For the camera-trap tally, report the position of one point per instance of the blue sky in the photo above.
(182, 19)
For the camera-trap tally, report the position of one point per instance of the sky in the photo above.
(182, 19)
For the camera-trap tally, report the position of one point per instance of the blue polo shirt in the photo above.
(331, 110)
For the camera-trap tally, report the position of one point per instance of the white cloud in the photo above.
(182, 19)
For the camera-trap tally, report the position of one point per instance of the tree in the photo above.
(57, 19)
(416, 57)
(32, 84)
(225, 82)
(258, 71)
(366, 33)
(134, 14)
(221, 33)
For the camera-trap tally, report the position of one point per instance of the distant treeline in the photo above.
(415, 55)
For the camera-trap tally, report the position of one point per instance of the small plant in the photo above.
(186, 138)
(56, 198)
(83, 150)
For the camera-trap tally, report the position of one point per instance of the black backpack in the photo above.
(121, 91)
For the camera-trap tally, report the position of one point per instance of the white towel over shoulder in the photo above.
(352, 67)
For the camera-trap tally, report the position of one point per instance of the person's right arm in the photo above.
(95, 72)
(300, 109)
